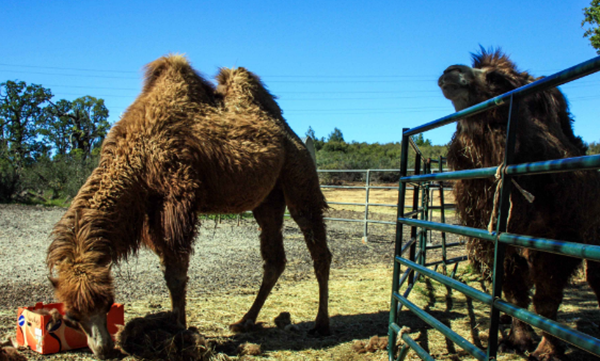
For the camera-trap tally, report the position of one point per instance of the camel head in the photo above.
(80, 271)
(492, 74)
(457, 84)
(86, 291)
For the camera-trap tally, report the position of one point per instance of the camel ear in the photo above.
(500, 80)
(54, 281)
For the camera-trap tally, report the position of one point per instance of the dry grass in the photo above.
(359, 306)
(381, 196)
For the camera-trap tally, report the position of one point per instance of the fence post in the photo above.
(398, 248)
(367, 188)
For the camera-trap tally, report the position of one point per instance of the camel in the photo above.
(565, 206)
(185, 148)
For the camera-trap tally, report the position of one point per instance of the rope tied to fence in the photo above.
(500, 171)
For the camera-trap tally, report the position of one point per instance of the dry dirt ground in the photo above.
(225, 274)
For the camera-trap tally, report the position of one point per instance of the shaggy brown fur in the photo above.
(565, 205)
(181, 149)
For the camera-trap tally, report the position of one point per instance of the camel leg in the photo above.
(550, 281)
(175, 272)
(269, 216)
(313, 227)
(516, 288)
(593, 277)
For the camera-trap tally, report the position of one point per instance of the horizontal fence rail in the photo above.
(367, 187)
(500, 238)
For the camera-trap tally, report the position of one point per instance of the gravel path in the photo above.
(226, 256)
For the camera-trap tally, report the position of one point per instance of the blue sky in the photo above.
(369, 68)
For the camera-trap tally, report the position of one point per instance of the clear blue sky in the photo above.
(369, 68)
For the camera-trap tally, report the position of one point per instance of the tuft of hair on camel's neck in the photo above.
(104, 221)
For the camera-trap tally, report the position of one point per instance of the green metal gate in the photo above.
(416, 263)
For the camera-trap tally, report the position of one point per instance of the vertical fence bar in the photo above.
(397, 251)
(417, 191)
(500, 248)
(424, 216)
(442, 213)
(367, 188)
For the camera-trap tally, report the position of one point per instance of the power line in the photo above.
(76, 75)
(262, 76)
(71, 69)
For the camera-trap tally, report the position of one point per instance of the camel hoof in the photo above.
(320, 331)
(505, 320)
(511, 346)
(242, 326)
(548, 351)
(540, 356)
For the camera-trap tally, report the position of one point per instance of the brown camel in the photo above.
(565, 207)
(182, 149)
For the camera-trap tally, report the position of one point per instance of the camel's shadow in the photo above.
(345, 328)
(466, 317)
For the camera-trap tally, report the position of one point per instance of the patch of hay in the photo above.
(9, 352)
(160, 337)
(374, 344)
(249, 349)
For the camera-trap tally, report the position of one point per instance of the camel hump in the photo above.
(176, 69)
(242, 87)
(172, 64)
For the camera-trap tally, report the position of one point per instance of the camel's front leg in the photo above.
(175, 272)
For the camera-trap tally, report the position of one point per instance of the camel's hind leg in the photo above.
(551, 275)
(269, 216)
(516, 289)
(592, 274)
(306, 205)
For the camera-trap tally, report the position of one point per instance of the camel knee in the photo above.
(274, 268)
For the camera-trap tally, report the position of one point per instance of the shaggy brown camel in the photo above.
(565, 207)
(182, 149)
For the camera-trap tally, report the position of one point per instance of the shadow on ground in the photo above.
(344, 329)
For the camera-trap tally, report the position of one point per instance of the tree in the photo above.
(21, 117)
(421, 141)
(58, 132)
(593, 148)
(90, 124)
(79, 126)
(336, 136)
(592, 17)
(311, 133)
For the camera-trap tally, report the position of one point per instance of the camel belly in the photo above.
(235, 198)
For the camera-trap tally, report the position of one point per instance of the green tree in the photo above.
(90, 124)
(21, 118)
(593, 148)
(336, 136)
(421, 141)
(78, 126)
(57, 132)
(311, 133)
(592, 17)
